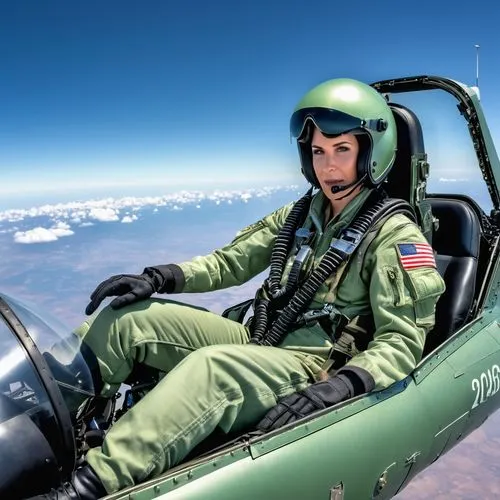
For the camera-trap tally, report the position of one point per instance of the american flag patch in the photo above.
(415, 255)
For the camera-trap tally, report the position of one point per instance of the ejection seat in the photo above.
(455, 238)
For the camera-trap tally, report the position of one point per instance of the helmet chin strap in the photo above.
(354, 185)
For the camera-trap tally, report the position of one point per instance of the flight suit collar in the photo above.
(339, 221)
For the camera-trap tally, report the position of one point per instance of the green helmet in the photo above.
(344, 105)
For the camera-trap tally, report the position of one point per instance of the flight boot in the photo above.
(84, 485)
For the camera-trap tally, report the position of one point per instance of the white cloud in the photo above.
(85, 213)
(61, 229)
(104, 214)
(42, 234)
(129, 218)
(108, 208)
(36, 235)
(447, 179)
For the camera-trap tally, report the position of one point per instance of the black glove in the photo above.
(134, 287)
(347, 383)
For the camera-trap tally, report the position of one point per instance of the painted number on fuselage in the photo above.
(487, 385)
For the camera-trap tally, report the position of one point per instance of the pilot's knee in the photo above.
(108, 319)
(83, 328)
(211, 362)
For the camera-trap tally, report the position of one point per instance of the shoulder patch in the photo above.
(414, 255)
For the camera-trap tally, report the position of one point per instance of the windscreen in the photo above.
(21, 385)
(60, 349)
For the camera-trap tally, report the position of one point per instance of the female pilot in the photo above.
(341, 313)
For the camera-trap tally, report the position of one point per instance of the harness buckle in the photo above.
(328, 312)
(312, 316)
(348, 241)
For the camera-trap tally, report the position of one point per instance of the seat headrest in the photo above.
(459, 230)
(410, 142)
(409, 130)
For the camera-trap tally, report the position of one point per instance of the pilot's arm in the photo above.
(237, 262)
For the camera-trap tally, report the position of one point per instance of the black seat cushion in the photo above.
(457, 243)
(459, 228)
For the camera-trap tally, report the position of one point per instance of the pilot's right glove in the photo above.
(348, 382)
(134, 287)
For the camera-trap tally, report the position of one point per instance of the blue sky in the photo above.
(161, 93)
(141, 98)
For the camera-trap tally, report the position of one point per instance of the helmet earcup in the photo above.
(364, 156)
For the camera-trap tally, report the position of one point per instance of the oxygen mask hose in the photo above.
(284, 240)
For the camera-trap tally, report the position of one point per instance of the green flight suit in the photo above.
(215, 378)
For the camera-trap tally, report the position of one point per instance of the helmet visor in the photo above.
(329, 121)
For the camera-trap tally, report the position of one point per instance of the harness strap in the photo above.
(350, 337)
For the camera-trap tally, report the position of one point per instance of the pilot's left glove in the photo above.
(134, 287)
(346, 383)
